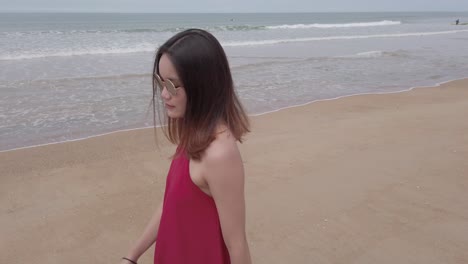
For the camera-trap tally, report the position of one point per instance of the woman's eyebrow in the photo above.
(171, 79)
(174, 80)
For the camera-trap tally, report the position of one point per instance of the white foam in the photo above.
(144, 47)
(151, 47)
(370, 54)
(277, 41)
(361, 24)
(259, 114)
(359, 94)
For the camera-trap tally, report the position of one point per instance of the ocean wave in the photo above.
(377, 54)
(209, 28)
(134, 30)
(370, 54)
(278, 41)
(361, 24)
(82, 32)
(99, 51)
(151, 47)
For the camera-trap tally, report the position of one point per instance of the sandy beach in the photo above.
(361, 179)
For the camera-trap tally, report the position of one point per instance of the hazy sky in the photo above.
(179, 6)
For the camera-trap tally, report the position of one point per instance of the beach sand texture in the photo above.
(361, 179)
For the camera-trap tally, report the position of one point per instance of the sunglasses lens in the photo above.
(171, 88)
(168, 84)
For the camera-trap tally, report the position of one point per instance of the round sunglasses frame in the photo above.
(171, 88)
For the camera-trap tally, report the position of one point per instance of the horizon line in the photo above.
(222, 12)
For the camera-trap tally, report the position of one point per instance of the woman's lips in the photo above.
(169, 106)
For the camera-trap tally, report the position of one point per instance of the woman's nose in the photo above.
(165, 94)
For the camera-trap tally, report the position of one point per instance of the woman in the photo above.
(202, 217)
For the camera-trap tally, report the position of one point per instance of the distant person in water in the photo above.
(457, 21)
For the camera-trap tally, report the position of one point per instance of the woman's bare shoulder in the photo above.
(223, 148)
(222, 161)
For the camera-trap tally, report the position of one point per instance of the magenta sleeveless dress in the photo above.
(189, 230)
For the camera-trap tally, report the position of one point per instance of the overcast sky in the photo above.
(180, 6)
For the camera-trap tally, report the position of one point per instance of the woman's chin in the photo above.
(173, 115)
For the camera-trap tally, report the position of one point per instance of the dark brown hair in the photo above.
(203, 69)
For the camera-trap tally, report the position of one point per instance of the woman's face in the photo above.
(175, 104)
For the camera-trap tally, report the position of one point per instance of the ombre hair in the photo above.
(203, 69)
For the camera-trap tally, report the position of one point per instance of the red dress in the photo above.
(189, 230)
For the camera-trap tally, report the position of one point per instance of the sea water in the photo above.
(70, 76)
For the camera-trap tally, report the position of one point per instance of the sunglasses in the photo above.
(171, 88)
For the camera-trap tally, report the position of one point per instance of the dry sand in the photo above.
(362, 179)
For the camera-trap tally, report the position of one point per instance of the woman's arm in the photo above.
(224, 173)
(147, 238)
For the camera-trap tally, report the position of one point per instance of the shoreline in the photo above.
(365, 179)
(250, 115)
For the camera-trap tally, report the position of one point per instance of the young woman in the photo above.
(202, 217)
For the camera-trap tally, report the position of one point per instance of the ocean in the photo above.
(70, 76)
